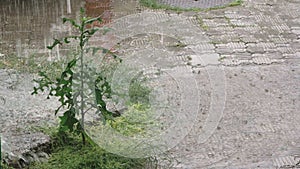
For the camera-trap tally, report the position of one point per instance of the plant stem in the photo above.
(81, 87)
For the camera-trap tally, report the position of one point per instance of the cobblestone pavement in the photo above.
(245, 60)
(257, 45)
(196, 3)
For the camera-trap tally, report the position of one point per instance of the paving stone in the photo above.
(289, 35)
(295, 45)
(278, 39)
(242, 23)
(238, 56)
(215, 22)
(296, 30)
(271, 55)
(258, 60)
(234, 15)
(194, 20)
(232, 47)
(252, 29)
(226, 38)
(254, 48)
(285, 161)
(234, 62)
(195, 4)
(204, 48)
(266, 45)
(261, 47)
(248, 39)
(261, 60)
(226, 29)
(236, 45)
(205, 59)
(294, 23)
(281, 28)
(286, 50)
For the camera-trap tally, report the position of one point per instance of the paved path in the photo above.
(254, 51)
(196, 3)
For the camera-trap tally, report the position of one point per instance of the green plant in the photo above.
(236, 3)
(75, 81)
(139, 93)
(5, 166)
(137, 120)
(201, 23)
(155, 5)
(222, 58)
(70, 154)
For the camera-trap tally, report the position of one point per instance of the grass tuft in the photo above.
(68, 152)
(155, 5)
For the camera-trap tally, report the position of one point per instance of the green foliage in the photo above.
(137, 120)
(201, 23)
(61, 88)
(77, 74)
(138, 93)
(70, 154)
(5, 166)
(75, 83)
(155, 5)
(236, 3)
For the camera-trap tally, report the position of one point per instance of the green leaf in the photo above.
(56, 42)
(34, 91)
(104, 51)
(66, 40)
(95, 50)
(68, 120)
(56, 111)
(71, 63)
(90, 21)
(106, 30)
(91, 31)
(82, 11)
(71, 21)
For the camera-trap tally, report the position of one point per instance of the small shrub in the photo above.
(78, 74)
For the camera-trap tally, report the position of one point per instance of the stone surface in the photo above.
(260, 119)
(20, 114)
(196, 3)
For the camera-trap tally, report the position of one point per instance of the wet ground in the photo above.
(244, 62)
(204, 4)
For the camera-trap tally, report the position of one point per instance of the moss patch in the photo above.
(155, 5)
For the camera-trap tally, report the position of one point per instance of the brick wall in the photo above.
(101, 8)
